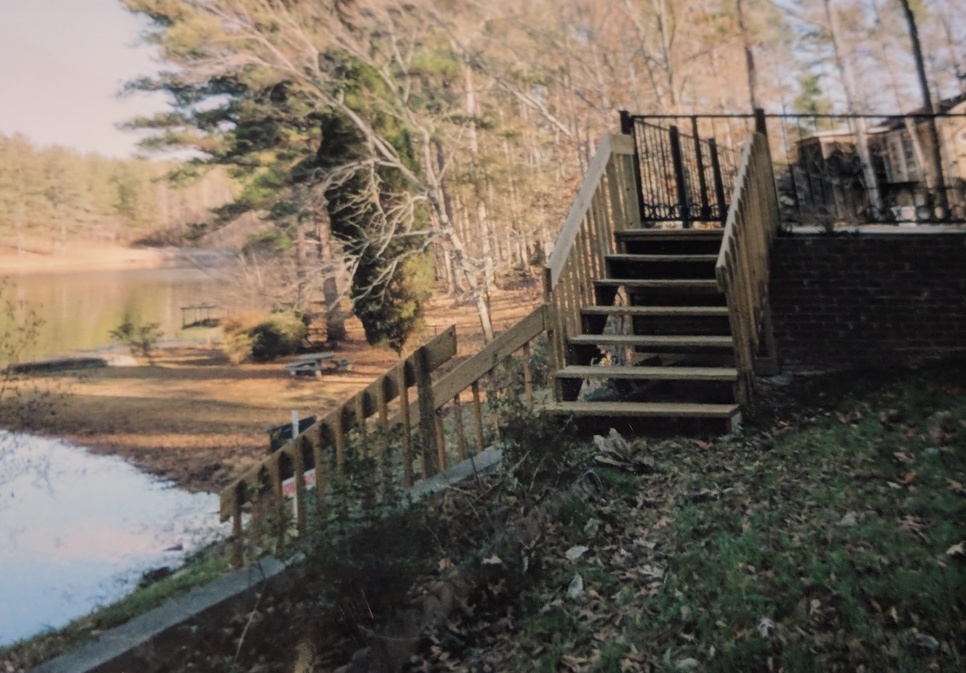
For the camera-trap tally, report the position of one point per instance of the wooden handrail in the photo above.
(331, 430)
(610, 149)
(742, 268)
(606, 202)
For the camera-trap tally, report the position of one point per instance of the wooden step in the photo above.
(661, 266)
(651, 234)
(670, 241)
(657, 311)
(646, 409)
(657, 341)
(657, 259)
(681, 284)
(649, 373)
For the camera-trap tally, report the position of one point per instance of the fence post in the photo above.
(702, 183)
(427, 412)
(761, 124)
(627, 128)
(719, 192)
(679, 177)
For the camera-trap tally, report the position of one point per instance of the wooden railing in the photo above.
(366, 421)
(742, 269)
(607, 202)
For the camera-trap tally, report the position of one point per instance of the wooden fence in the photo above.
(742, 269)
(607, 202)
(428, 415)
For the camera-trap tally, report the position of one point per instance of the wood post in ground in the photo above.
(427, 412)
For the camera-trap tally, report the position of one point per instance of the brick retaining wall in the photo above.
(868, 298)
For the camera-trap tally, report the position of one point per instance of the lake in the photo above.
(80, 309)
(78, 530)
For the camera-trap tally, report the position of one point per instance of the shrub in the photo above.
(539, 448)
(141, 338)
(237, 343)
(254, 335)
(281, 334)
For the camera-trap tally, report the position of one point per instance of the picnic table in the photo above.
(316, 364)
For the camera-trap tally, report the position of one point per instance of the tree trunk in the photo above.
(749, 57)
(461, 262)
(331, 293)
(938, 179)
(301, 272)
(848, 83)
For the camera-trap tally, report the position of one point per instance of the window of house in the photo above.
(895, 166)
(909, 154)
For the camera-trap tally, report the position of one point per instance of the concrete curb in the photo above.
(113, 651)
(106, 651)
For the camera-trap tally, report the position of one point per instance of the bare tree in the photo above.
(937, 179)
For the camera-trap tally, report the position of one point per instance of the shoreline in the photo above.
(85, 256)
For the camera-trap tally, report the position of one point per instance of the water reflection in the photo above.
(80, 309)
(77, 530)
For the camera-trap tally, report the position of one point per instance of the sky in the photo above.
(62, 63)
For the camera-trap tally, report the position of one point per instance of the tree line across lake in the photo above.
(52, 197)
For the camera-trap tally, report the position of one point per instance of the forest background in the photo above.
(363, 150)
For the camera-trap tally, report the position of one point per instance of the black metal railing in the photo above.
(829, 169)
(683, 176)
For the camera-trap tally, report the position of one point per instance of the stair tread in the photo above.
(628, 257)
(652, 340)
(671, 283)
(650, 373)
(657, 310)
(669, 233)
(652, 409)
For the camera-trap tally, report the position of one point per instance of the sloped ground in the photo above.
(828, 538)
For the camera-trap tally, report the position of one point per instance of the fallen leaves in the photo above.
(956, 550)
(915, 526)
(849, 520)
(908, 478)
(614, 451)
(956, 487)
(576, 587)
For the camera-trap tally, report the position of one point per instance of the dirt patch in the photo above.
(199, 421)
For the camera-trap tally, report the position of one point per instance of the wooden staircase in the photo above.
(656, 343)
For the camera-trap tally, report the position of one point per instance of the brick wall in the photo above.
(868, 299)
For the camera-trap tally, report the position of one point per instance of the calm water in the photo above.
(78, 530)
(80, 309)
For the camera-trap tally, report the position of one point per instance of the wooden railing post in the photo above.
(477, 416)
(627, 128)
(427, 413)
(237, 534)
(407, 426)
(298, 467)
(719, 192)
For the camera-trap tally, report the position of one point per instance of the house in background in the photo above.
(828, 178)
